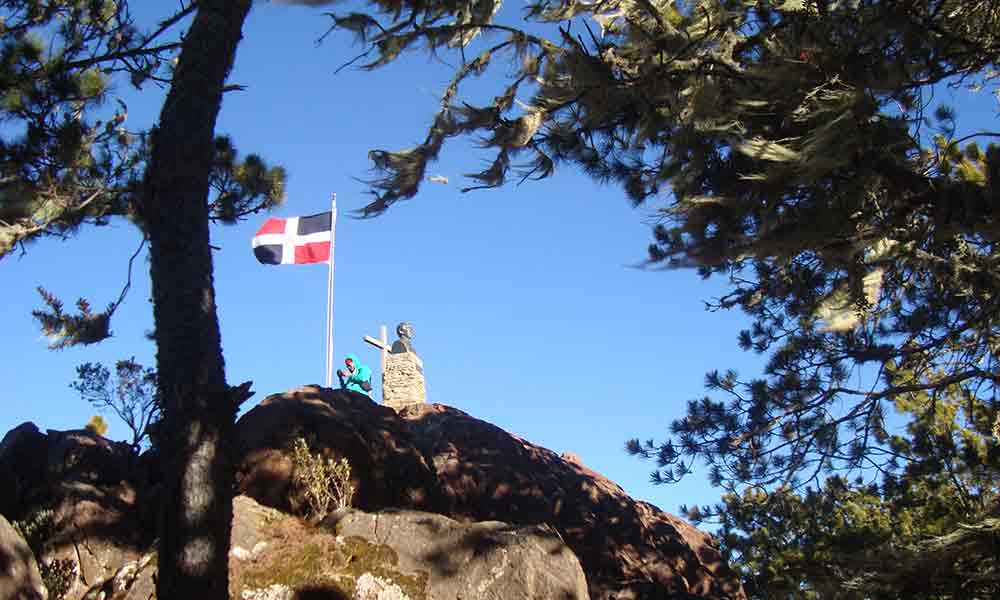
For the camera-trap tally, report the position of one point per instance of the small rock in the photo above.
(370, 587)
(271, 592)
(572, 458)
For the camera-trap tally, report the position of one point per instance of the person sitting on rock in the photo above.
(357, 377)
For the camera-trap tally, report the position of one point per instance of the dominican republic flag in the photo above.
(295, 241)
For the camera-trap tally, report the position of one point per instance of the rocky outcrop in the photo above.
(19, 577)
(401, 555)
(472, 560)
(85, 456)
(23, 461)
(527, 514)
(40, 468)
(388, 470)
(629, 549)
(473, 470)
(78, 491)
(96, 528)
(397, 554)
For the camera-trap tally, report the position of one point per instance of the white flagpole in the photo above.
(329, 294)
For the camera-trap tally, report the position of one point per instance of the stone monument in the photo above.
(402, 369)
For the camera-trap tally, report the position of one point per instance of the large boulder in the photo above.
(430, 457)
(76, 492)
(628, 549)
(89, 538)
(34, 466)
(87, 456)
(94, 526)
(472, 560)
(19, 576)
(388, 470)
(399, 554)
(23, 461)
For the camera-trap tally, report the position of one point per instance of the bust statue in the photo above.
(404, 344)
(403, 382)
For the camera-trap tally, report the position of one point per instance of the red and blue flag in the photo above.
(295, 240)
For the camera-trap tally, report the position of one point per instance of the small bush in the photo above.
(98, 425)
(58, 576)
(36, 528)
(324, 483)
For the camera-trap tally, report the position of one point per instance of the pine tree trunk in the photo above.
(198, 411)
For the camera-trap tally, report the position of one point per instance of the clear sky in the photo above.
(527, 306)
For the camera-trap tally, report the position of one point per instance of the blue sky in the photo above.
(527, 307)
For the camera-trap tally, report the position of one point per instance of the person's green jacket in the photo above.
(361, 373)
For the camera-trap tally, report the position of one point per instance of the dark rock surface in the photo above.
(388, 470)
(472, 560)
(81, 489)
(628, 549)
(19, 577)
(23, 461)
(101, 503)
(83, 455)
(400, 554)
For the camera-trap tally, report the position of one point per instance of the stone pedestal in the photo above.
(403, 380)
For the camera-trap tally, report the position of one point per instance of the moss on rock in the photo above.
(377, 559)
(322, 562)
(291, 567)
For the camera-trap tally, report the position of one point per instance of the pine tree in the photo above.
(926, 530)
(199, 408)
(65, 161)
(790, 144)
(69, 157)
(793, 148)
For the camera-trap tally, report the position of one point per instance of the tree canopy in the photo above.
(69, 155)
(927, 530)
(791, 147)
(67, 158)
(794, 148)
(130, 394)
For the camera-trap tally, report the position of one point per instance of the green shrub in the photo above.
(98, 425)
(59, 575)
(36, 528)
(324, 483)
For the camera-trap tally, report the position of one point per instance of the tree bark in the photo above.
(198, 408)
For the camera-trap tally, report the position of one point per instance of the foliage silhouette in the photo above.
(790, 147)
(131, 395)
